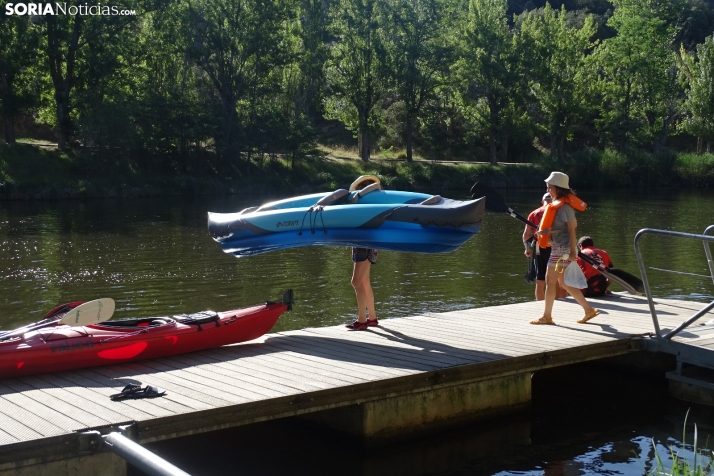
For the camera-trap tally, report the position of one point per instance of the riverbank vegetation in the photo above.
(686, 460)
(236, 94)
(32, 171)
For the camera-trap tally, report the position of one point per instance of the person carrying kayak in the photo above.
(363, 259)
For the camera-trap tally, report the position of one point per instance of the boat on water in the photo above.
(63, 347)
(369, 218)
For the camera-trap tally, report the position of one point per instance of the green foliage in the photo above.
(488, 80)
(700, 91)
(701, 463)
(240, 47)
(696, 169)
(206, 88)
(554, 56)
(640, 97)
(356, 72)
(418, 54)
(19, 41)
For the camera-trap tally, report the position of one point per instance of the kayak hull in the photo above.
(63, 347)
(384, 220)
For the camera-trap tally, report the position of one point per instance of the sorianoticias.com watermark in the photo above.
(58, 8)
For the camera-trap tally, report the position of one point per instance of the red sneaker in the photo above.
(357, 326)
(372, 322)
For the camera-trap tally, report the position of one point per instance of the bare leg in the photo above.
(576, 293)
(551, 283)
(560, 292)
(540, 290)
(372, 313)
(363, 290)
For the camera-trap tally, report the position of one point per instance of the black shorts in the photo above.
(361, 254)
(542, 263)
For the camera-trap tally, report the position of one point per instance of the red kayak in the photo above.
(62, 347)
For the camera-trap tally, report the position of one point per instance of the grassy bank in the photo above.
(32, 170)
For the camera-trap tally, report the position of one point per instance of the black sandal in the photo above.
(132, 391)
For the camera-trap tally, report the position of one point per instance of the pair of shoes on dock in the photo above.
(362, 326)
(588, 316)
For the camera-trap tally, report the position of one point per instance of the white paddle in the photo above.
(92, 312)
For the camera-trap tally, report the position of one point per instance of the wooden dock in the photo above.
(320, 370)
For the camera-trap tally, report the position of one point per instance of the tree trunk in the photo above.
(62, 73)
(659, 142)
(6, 96)
(229, 114)
(504, 149)
(699, 145)
(553, 145)
(363, 136)
(63, 118)
(492, 148)
(409, 138)
(9, 130)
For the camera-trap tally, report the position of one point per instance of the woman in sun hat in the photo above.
(363, 259)
(557, 228)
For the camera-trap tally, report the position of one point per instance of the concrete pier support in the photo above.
(405, 415)
(98, 464)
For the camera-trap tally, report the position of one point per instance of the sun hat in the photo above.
(546, 197)
(559, 179)
(363, 178)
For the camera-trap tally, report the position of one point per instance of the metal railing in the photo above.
(130, 451)
(705, 238)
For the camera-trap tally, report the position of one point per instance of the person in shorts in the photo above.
(542, 254)
(363, 259)
(561, 233)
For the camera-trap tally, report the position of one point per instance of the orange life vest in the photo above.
(551, 209)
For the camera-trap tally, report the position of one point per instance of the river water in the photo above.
(155, 257)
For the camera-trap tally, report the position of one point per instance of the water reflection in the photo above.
(154, 257)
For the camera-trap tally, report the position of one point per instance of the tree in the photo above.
(638, 72)
(18, 51)
(418, 56)
(80, 48)
(554, 56)
(239, 46)
(356, 75)
(699, 70)
(487, 69)
(313, 55)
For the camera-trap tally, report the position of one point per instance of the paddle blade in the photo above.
(92, 312)
(494, 200)
(63, 308)
(633, 281)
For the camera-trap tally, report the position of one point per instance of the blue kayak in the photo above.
(380, 219)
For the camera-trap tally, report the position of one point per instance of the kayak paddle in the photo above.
(92, 312)
(50, 318)
(496, 203)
